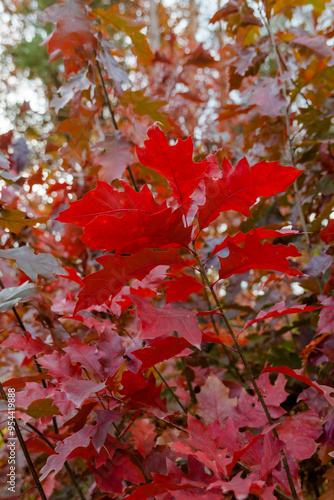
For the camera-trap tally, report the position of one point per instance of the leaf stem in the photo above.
(25, 451)
(112, 114)
(189, 384)
(249, 372)
(170, 390)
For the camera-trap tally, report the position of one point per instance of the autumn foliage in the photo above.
(167, 284)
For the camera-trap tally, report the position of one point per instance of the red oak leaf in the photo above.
(255, 255)
(114, 155)
(25, 342)
(260, 232)
(144, 435)
(160, 350)
(136, 230)
(175, 163)
(165, 321)
(106, 200)
(203, 445)
(109, 476)
(299, 433)
(103, 420)
(73, 27)
(279, 309)
(161, 484)
(326, 318)
(239, 188)
(249, 411)
(117, 271)
(181, 287)
(242, 487)
(86, 355)
(78, 390)
(327, 234)
(214, 401)
(74, 445)
(325, 390)
(110, 352)
(143, 393)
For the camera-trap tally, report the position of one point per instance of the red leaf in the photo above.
(110, 352)
(114, 156)
(26, 343)
(279, 309)
(144, 393)
(214, 401)
(267, 98)
(144, 435)
(239, 188)
(72, 276)
(326, 318)
(73, 27)
(327, 234)
(181, 287)
(175, 163)
(64, 448)
(117, 271)
(161, 484)
(160, 350)
(261, 232)
(255, 255)
(204, 445)
(325, 390)
(137, 230)
(106, 200)
(108, 476)
(86, 355)
(115, 71)
(300, 432)
(165, 321)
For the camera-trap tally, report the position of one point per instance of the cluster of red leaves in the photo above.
(132, 339)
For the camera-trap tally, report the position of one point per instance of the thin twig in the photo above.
(112, 114)
(156, 370)
(170, 390)
(248, 370)
(189, 384)
(226, 350)
(25, 451)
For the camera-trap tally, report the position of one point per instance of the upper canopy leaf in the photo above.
(239, 187)
(175, 163)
